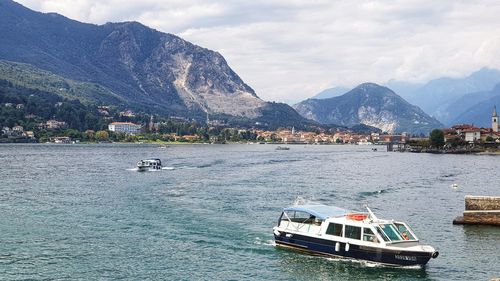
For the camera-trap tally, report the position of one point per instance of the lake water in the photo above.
(82, 212)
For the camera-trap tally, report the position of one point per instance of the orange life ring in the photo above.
(357, 217)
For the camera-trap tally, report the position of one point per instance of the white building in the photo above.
(472, 135)
(18, 129)
(124, 127)
(54, 124)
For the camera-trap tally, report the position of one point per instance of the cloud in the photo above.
(291, 50)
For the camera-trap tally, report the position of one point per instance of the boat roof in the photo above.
(320, 211)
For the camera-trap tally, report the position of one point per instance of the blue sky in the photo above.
(290, 50)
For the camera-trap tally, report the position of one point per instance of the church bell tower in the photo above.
(494, 120)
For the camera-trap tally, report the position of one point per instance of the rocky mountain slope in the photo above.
(372, 105)
(147, 69)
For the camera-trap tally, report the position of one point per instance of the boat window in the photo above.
(391, 232)
(353, 232)
(381, 233)
(405, 232)
(368, 235)
(334, 229)
(301, 217)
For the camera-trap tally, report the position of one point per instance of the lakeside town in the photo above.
(458, 138)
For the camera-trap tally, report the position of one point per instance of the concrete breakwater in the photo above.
(483, 210)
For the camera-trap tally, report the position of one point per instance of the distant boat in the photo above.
(333, 231)
(282, 148)
(163, 146)
(374, 149)
(149, 164)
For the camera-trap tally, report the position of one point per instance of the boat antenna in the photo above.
(372, 215)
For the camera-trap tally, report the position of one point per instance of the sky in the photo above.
(290, 50)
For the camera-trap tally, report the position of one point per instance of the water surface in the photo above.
(82, 212)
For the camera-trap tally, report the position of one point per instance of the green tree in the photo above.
(89, 135)
(72, 133)
(102, 135)
(436, 138)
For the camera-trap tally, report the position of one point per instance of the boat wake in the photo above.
(151, 170)
(213, 163)
(259, 241)
(299, 200)
(367, 194)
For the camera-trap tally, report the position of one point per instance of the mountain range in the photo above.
(134, 65)
(444, 99)
(450, 100)
(369, 104)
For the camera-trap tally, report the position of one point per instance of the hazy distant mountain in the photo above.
(480, 114)
(476, 108)
(437, 96)
(404, 89)
(372, 105)
(147, 69)
(331, 92)
(468, 104)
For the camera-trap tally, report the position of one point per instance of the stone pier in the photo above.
(483, 210)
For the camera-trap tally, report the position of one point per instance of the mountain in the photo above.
(437, 96)
(331, 92)
(145, 69)
(372, 105)
(475, 108)
(38, 106)
(465, 107)
(28, 76)
(479, 114)
(404, 89)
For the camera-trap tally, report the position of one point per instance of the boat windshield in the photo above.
(405, 231)
(391, 232)
(300, 217)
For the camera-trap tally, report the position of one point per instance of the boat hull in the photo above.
(147, 168)
(329, 247)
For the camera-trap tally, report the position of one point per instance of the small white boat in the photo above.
(282, 148)
(149, 164)
(333, 231)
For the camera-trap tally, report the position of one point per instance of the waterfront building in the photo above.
(472, 135)
(60, 139)
(18, 129)
(124, 127)
(30, 134)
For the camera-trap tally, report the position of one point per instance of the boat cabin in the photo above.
(340, 224)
